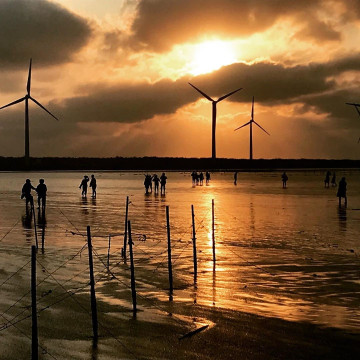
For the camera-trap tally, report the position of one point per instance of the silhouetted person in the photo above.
(26, 193)
(201, 178)
(341, 193)
(93, 186)
(327, 179)
(163, 178)
(147, 183)
(41, 190)
(193, 177)
(284, 178)
(235, 178)
(333, 180)
(156, 181)
(207, 177)
(84, 185)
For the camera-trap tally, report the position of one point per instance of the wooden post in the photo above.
(126, 227)
(132, 270)
(213, 229)
(108, 257)
(169, 251)
(34, 329)
(92, 287)
(194, 242)
(33, 211)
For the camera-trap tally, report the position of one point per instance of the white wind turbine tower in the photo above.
(26, 99)
(214, 102)
(250, 123)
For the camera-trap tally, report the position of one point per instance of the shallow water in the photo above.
(287, 253)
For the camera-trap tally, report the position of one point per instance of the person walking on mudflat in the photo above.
(26, 193)
(41, 190)
(333, 180)
(84, 185)
(327, 179)
(93, 186)
(284, 178)
(163, 178)
(341, 193)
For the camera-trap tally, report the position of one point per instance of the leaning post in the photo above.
(132, 270)
(108, 255)
(169, 250)
(33, 211)
(126, 227)
(194, 242)
(92, 288)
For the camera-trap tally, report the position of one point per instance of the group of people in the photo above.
(198, 179)
(327, 179)
(41, 190)
(84, 186)
(156, 180)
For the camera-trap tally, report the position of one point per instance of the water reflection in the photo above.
(83, 206)
(342, 218)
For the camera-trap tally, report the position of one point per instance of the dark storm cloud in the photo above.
(160, 24)
(271, 84)
(318, 31)
(39, 29)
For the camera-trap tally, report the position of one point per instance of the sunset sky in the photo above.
(116, 73)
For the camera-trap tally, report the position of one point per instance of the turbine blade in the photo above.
(37, 103)
(29, 79)
(202, 93)
(252, 109)
(242, 126)
(261, 127)
(13, 103)
(357, 106)
(227, 95)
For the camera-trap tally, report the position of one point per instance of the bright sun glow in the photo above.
(210, 56)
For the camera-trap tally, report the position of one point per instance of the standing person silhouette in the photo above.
(156, 181)
(235, 178)
(327, 179)
(284, 178)
(147, 184)
(341, 193)
(93, 186)
(201, 177)
(163, 178)
(41, 190)
(207, 177)
(26, 193)
(333, 180)
(84, 185)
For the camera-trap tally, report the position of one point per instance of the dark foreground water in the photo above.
(287, 253)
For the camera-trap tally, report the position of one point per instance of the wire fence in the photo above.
(112, 267)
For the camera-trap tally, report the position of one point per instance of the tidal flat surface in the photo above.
(290, 254)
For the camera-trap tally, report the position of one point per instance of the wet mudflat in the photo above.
(287, 258)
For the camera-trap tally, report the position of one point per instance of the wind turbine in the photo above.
(250, 123)
(214, 102)
(26, 98)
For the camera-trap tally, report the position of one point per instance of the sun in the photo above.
(211, 55)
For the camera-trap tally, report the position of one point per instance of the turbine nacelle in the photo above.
(214, 102)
